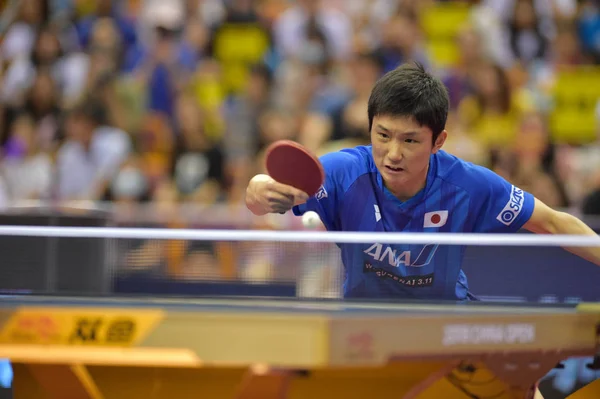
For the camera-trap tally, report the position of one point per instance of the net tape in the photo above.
(476, 239)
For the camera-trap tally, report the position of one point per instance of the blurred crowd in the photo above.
(175, 100)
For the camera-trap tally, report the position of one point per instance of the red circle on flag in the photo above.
(435, 218)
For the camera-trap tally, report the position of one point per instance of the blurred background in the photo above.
(155, 113)
(173, 101)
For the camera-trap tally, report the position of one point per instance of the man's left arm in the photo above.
(545, 220)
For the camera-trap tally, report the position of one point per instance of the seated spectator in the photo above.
(130, 185)
(155, 144)
(102, 9)
(490, 115)
(45, 54)
(91, 155)
(290, 29)
(526, 37)
(350, 121)
(459, 78)
(401, 42)
(531, 162)
(27, 171)
(19, 39)
(589, 28)
(198, 163)
(42, 102)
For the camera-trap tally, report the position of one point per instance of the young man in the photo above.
(404, 182)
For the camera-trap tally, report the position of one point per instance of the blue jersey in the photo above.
(458, 197)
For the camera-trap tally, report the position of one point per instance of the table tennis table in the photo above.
(123, 347)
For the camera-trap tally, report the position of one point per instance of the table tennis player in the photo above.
(405, 182)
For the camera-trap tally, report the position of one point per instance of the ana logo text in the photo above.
(396, 258)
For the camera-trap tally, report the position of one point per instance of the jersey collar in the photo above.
(418, 197)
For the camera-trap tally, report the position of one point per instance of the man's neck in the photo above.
(410, 189)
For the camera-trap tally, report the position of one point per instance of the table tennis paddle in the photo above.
(289, 163)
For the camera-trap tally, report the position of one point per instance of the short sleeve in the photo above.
(326, 201)
(503, 207)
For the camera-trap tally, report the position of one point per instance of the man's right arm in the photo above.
(265, 195)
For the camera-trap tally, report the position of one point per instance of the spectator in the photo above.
(179, 84)
(20, 36)
(130, 184)
(45, 54)
(291, 29)
(43, 103)
(531, 162)
(209, 12)
(27, 171)
(351, 122)
(526, 37)
(91, 155)
(489, 26)
(155, 144)
(490, 114)
(402, 42)
(102, 10)
(589, 28)
(241, 141)
(459, 78)
(240, 41)
(198, 162)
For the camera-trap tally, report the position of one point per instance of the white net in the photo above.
(305, 264)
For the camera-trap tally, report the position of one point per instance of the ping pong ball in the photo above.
(311, 219)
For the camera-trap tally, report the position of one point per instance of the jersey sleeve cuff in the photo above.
(526, 212)
(298, 210)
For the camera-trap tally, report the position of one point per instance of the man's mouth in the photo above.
(394, 169)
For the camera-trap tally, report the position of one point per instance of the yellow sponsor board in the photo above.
(79, 326)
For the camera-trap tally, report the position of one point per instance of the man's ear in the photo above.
(439, 142)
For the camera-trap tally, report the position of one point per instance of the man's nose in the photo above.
(395, 153)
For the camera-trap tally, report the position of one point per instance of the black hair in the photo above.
(409, 91)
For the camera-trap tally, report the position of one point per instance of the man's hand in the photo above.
(265, 195)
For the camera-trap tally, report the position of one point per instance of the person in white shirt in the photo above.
(290, 29)
(27, 170)
(92, 154)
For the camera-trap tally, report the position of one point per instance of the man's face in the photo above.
(401, 150)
